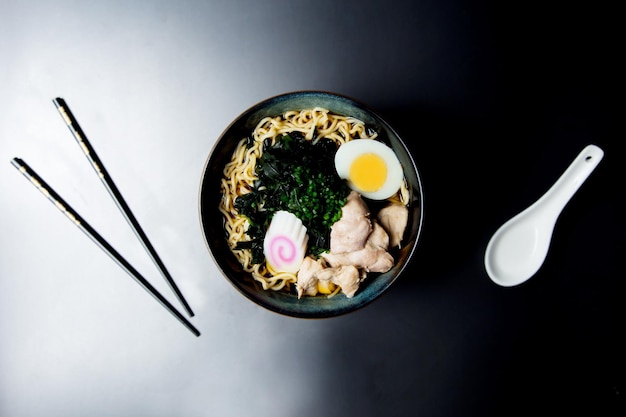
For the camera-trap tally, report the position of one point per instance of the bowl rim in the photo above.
(339, 309)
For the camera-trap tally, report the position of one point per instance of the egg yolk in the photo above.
(368, 172)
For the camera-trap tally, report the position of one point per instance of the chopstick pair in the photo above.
(56, 199)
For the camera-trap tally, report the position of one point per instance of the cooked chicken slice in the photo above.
(394, 218)
(307, 280)
(373, 257)
(379, 237)
(370, 258)
(346, 277)
(312, 271)
(351, 231)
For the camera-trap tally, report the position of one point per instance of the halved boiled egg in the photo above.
(370, 167)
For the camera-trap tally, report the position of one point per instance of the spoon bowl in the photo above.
(519, 247)
(517, 250)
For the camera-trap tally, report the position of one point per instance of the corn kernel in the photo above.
(325, 287)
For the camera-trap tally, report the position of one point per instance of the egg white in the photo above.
(349, 151)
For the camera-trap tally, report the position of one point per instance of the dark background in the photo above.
(539, 81)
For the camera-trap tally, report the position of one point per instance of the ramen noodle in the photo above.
(239, 176)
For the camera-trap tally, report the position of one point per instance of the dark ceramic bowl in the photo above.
(212, 221)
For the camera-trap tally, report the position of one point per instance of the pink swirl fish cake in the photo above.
(285, 242)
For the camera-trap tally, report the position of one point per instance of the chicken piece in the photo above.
(312, 272)
(394, 219)
(379, 237)
(346, 277)
(307, 280)
(373, 257)
(351, 231)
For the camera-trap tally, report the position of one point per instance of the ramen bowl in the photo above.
(212, 220)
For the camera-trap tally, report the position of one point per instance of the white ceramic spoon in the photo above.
(517, 250)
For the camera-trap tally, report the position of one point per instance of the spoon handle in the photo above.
(555, 199)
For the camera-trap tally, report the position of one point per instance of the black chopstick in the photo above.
(65, 208)
(97, 165)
